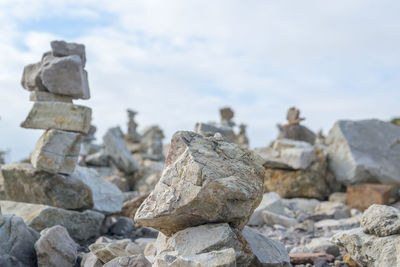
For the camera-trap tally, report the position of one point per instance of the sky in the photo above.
(177, 62)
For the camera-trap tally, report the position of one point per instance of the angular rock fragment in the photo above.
(25, 184)
(364, 151)
(130, 261)
(107, 198)
(31, 80)
(58, 115)
(62, 49)
(55, 248)
(381, 220)
(209, 130)
(42, 96)
(57, 151)
(115, 148)
(109, 251)
(17, 240)
(81, 226)
(65, 76)
(204, 180)
(362, 196)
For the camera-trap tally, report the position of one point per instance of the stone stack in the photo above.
(207, 192)
(53, 189)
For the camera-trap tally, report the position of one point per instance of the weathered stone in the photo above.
(10, 261)
(369, 250)
(268, 201)
(313, 182)
(57, 151)
(364, 195)
(208, 130)
(65, 76)
(115, 148)
(271, 218)
(339, 197)
(268, 252)
(311, 258)
(365, 151)
(123, 226)
(204, 180)
(55, 248)
(42, 96)
(270, 158)
(205, 238)
(306, 205)
(62, 49)
(107, 198)
(131, 261)
(331, 210)
(298, 158)
(80, 225)
(381, 220)
(99, 158)
(109, 251)
(220, 258)
(31, 80)
(17, 240)
(90, 260)
(151, 142)
(58, 115)
(296, 132)
(146, 179)
(25, 184)
(120, 182)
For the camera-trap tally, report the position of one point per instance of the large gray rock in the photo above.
(42, 96)
(17, 240)
(202, 239)
(296, 132)
(107, 197)
(65, 76)
(116, 149)
(381, 220)
(204, 180)
(59, 115)
(55, 248)
(369, 250)
(268, 252)
(62, 49)
(366, 150)
(25, 184)
(57, 151)
(130, 261)
(31, 80)
(81, 226)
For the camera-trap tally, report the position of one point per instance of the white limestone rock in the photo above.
(381, 220)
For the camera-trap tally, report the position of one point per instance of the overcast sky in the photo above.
(178, 62)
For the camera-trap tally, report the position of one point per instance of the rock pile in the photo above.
(207, 192)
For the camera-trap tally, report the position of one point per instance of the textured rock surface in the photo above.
(366, 150)
(90, 260)
(31, 77)
(65, 76)
(131, 261)
(381, 220)
(313, 182)
(80, 225)
(202, 239)
(62, 49)
(25, 184)
(42, 96)
(298, 157)
(116, 149)
(57, 151)
(55, 248)
(361, 196)
(109, 251)
(17, 240)
(107, 198)
(204, 180)
(267, 251)
(58, 115)
(369, 250)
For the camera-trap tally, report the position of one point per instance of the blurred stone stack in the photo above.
(208, 190)
(53, 189)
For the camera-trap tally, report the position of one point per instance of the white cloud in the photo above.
(177, 62)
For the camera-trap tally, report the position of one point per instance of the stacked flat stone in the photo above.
(54, 82)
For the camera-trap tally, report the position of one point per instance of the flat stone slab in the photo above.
(25, 184)
(80, 225)
(42, 96)
(57, 115)
(57, 151)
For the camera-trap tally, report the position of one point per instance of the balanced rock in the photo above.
(208, 130)
(17, 240)
(202, 239)
(62, 49)
(116, 149)
(369, 250)
(363, 151)
(57, 151)
(23, 183)
(58, 115)
(31, 80)
(204, 180)
(55, 248)
(107, 198)
(81, 226)
(381, 220)
(42, 96)
(65, 76)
